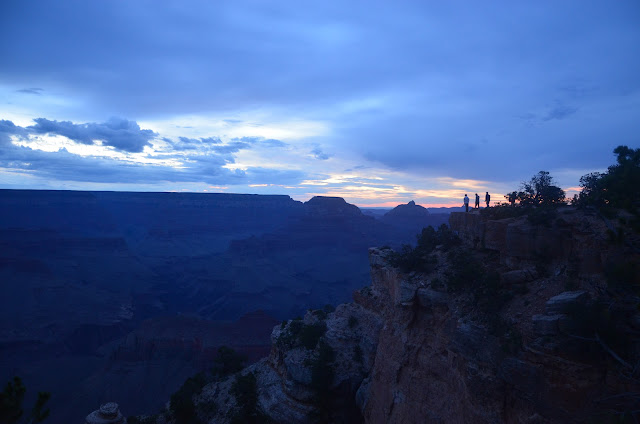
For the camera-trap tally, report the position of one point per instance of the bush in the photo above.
(182, 407)
(322, 373)
(353, 321)
(502, 211)
(623, 274)
(604, 321)
(419, 259)
(310, 334)
(298, 333)
(464, 269)
(227, 361)
(245, 391)
(543, 215)
(540, 190)
(11, 403)
(618, 187)
(358, 355)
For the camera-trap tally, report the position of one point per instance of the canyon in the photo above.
(124, 295)
(539, 331)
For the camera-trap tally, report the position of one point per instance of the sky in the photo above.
(377, 102)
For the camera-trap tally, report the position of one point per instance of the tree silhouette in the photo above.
(619, 186)
(11, 404)
(540, 190)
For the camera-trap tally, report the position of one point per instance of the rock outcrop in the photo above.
(572, 237)
(109, 413)
(413, 218)
(411, 349)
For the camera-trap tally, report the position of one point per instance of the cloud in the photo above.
(206, 163)
(34, 90)
(121, 134)
(389, 91)
(232, 147)
(186, 143)
(560, 112)
(7, 129)
(265, 142)
(319, 154)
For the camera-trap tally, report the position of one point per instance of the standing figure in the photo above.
(487, 198)
(477, 206)
(466, 202)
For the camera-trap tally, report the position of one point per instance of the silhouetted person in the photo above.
(487, 198)
(466, 202)
(477, 206)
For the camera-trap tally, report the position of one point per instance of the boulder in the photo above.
(405, 292)
(109, 413)
(546, 325)
(560, 303)
(517, 276)
(428, 298)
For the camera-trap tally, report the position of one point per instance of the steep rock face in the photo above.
(429, 364)
(284, 380)
(431, 354)
(572, 236)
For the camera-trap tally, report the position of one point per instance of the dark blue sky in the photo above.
(377, 102)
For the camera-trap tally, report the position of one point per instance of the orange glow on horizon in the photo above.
(394, 204)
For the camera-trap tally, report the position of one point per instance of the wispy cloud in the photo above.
(35, 90)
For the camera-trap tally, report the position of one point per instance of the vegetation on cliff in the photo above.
(181, 406)
(420, 258)
(11, 400)
(618, 187)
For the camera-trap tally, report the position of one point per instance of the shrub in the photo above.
(11, 403)
(311, 333)
(540, 190)
(357, 354)
(298, 333)
(321, 314)
(328, 308)
(600, 322)
(464, 269)
(245, 391)
(543, 215)
(618, 187)
(353, 321)
(322, 373)
(227, 361)
(420, 258)
(623, 274)
(182, 407)
(502, 211)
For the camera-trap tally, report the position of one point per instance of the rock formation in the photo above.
(412, 218)
(415, 348)
(109, 413)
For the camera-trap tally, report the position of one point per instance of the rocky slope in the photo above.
(514, 332)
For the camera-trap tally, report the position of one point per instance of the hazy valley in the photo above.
(123, 295)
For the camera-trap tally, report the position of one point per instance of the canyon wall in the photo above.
(413, 349)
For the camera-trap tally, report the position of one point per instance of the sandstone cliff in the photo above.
(528, 342)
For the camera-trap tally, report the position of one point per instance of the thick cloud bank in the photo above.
(189, 160)
(121, 134)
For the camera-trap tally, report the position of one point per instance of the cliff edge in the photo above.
(513, 323)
